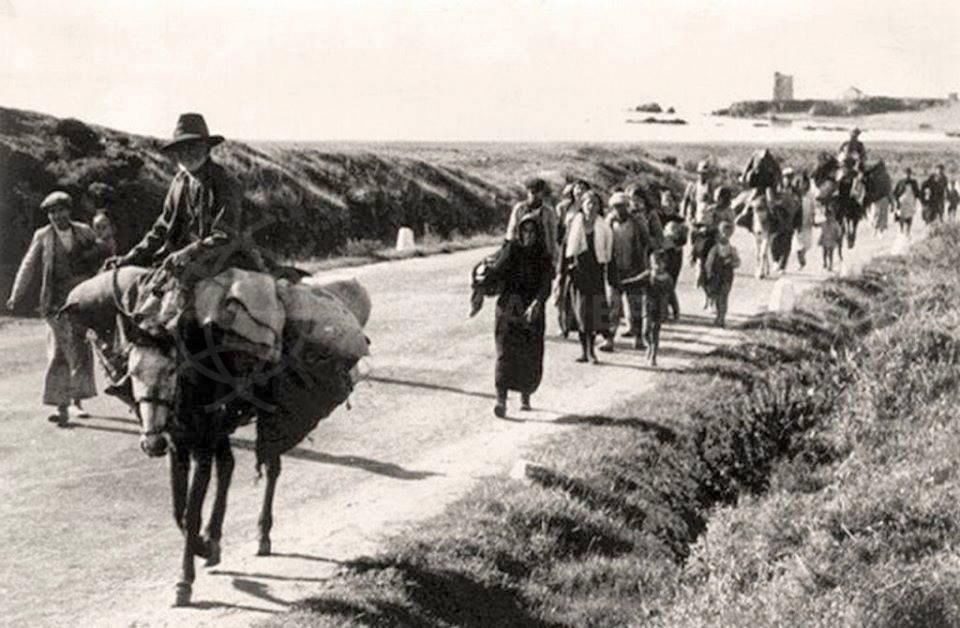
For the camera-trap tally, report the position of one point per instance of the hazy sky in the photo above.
(432, 69)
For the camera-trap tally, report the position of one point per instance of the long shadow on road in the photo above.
(378, 467)
(359, 462)
(428, 386)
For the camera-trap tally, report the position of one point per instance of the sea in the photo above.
(705, 128)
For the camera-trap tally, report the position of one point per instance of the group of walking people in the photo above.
(936, 198)
(603, 262)
(603, 259)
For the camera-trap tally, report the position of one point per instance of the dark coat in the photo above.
(525, 275)
(203, 210)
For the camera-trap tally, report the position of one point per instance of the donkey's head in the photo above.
(152, 369)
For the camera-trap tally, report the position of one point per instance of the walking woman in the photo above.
(808, 213)
(523, 273)
(62, 254)
(587, 251)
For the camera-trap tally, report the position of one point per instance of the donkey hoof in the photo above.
(184, 591)
(213, 553)
(264, 549)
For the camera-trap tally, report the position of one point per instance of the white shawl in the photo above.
(577, 239)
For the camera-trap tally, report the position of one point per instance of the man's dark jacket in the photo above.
(202, 209)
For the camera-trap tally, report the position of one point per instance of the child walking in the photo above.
(722, 262)
(657, 286)
(830, 238)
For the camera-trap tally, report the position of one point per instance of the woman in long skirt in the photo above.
(587, 252)
(807, 219)
(523, 271)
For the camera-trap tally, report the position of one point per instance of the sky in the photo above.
(453, 69)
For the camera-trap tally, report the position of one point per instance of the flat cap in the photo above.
(54, 199)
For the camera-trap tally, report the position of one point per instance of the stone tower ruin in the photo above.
(782, 87)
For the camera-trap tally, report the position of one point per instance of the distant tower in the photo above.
(782, 87)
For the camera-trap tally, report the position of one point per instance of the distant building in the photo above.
(952, 97)
(852, 93)
(782, 87)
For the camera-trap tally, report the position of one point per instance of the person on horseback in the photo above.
(852, 152)
(198, 234)
(203, 204)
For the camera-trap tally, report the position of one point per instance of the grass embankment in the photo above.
(805, 476)
(303, 201)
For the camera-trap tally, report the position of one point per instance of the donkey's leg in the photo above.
(266, 513)
(199, 480)
(223, 459)
(179, 459)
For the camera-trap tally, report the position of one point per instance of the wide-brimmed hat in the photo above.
(56, 199)
(192, 127)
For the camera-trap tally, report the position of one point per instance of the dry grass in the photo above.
(775, 483)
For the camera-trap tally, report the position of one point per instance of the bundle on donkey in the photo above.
(245, 346)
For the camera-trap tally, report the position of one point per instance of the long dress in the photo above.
(588, 291)
(807, 219)
(526, 274)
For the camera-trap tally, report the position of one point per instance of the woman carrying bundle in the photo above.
(522, 272)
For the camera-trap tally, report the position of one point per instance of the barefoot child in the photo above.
(722, 261)
(657, 286)
(830, 238)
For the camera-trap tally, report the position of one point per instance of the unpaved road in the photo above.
(86, 533)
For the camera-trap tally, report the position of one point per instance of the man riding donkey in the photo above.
(199, 369)
(853, 153)
(198, 234)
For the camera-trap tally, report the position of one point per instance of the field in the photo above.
(806, 476)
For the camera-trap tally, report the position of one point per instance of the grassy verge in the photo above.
(805, 476)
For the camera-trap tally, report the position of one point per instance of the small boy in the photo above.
(106, 234)
(830, 238)
(722, 262)
(657, 286)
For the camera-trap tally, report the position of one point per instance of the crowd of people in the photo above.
(621, 259)
(603, 259)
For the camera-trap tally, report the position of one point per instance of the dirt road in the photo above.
(86, 533)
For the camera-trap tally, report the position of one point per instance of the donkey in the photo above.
(840, 191)
(191, 390)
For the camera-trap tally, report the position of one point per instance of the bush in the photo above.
(81, 139)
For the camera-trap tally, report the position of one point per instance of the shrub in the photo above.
(81, 139)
